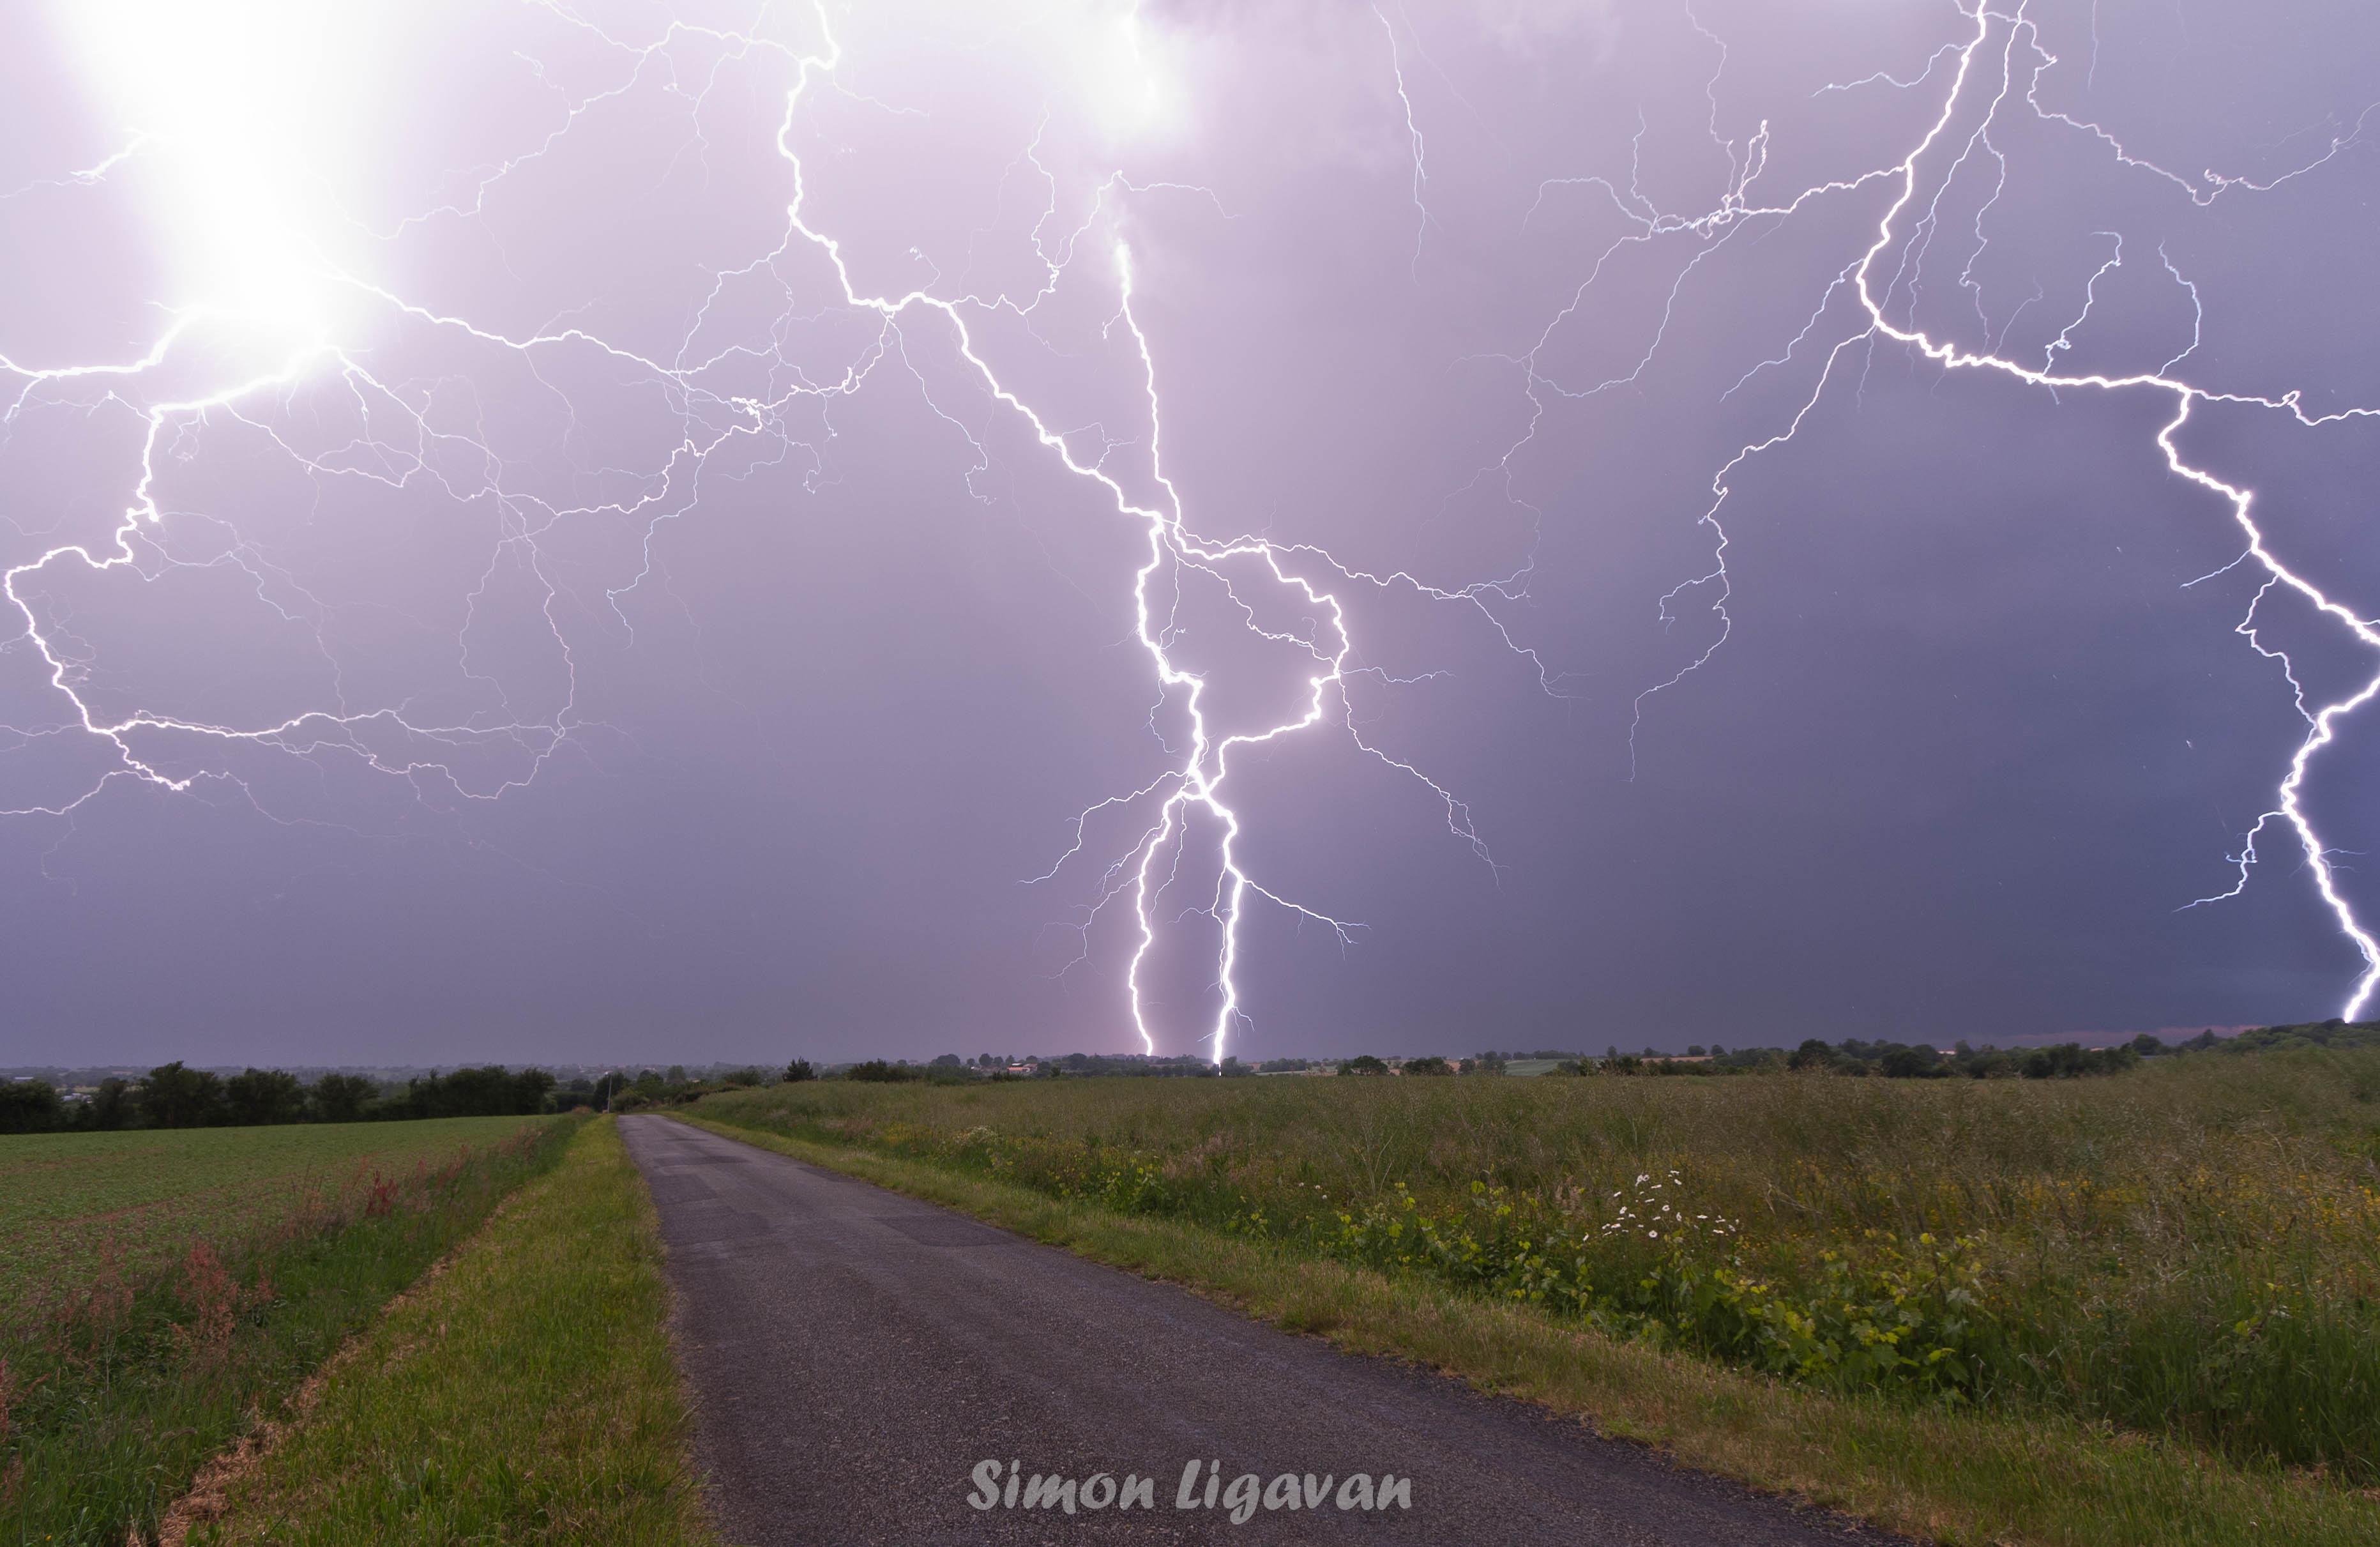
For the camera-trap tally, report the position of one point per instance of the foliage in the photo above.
(490, 1092)
(877, 1071)
(27, 1106)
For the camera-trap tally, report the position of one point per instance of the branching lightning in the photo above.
(1987, 63)
(1182, 822)
(1181, 808)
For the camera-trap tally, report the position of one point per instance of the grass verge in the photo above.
(111, 1402)
(528, 1393)
(1954, 1475)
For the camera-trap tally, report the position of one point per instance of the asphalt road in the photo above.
(859, 1359)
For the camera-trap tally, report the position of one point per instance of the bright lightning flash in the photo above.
(208, 86)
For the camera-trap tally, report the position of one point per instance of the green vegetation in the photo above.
(2191, 1250)
(527, 1395)
(116, 1385)
(73, 1206)
(1940, 1471)
(175, 1096)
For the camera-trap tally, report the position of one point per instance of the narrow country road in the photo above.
(860, 1360)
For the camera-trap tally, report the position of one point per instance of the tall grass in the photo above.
(2193, 1247)
(116, 1396)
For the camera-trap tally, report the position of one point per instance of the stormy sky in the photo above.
(591, 531)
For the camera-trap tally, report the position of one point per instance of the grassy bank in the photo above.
(116, 1393)
(2180, 1261)
(527, 1395)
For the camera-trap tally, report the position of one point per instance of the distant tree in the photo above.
(115, 1104)
(1432, 1065)
(2148, 1046)
(1912, 1063)
(799, 1069)
(742, 1078)
(1811, 1055)
(1717, 1051)
(256, 1097)
(1697, 1049)
(174, 1097)
(2071, 1060)
(676, 1074)
(876, 1071)
(339, 1098)
(490, 1091)
(1231, 1069)
(950, 1061)
(1363, 1063)
(29, 1106)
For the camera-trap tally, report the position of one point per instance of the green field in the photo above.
(2190, 1251)
(69, 1200)
(251, 1254)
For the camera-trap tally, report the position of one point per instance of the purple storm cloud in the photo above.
(585, 529)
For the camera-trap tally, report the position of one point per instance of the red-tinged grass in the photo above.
(122, 1390)
(74, 1206)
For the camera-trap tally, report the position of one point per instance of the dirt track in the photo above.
(857, 1356)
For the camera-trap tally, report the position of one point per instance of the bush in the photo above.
(1363, 1063)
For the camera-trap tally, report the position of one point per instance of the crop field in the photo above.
(179, 1286)
(2190, 1250)
(71, 1203)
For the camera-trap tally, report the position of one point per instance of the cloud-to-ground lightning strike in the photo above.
(1186, 807)
(1999, 35)
(1191, 793)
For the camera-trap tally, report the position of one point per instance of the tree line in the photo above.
(175, 1096)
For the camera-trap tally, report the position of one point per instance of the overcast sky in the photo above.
(640, 520)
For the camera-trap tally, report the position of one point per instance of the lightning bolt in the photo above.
(756, 402)
(1998, 35)
(1183, 808)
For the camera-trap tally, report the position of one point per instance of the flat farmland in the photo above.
(70, 1200)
